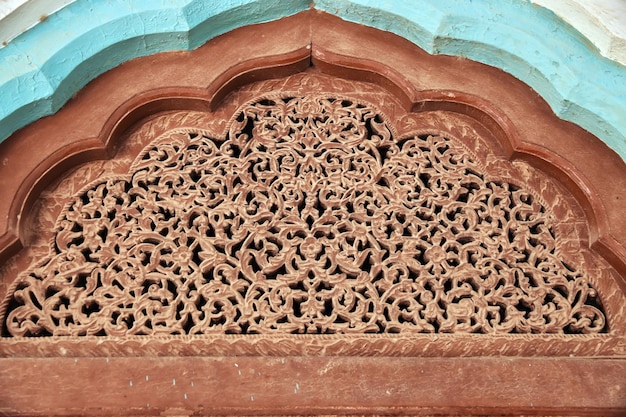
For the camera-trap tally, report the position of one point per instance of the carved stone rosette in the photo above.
(311, 214)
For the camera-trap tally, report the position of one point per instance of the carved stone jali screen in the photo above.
(308, 212)
(309, 217)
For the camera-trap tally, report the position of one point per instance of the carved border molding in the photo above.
(417, 346)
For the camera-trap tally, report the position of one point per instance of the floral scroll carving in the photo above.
(309, 216)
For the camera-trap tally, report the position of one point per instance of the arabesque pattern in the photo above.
(308, 217)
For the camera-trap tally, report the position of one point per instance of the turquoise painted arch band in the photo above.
(45, 66)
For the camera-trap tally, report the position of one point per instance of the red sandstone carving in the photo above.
(497, 124)
(309, 217)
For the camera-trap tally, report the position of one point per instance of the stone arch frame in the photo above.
(524, 39)
(598, 198)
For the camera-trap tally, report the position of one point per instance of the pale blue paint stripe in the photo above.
(525, 40)
(45, 66)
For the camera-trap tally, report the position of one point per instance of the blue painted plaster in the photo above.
(525, 40)
(45, 66)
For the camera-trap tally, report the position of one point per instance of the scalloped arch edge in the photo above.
(44, 75)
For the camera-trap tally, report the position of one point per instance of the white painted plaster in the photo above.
(603, 22)
(7, 6)
(17, 16)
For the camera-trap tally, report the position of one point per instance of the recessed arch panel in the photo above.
(317, 204)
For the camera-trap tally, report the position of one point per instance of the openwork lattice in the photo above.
(308, 217)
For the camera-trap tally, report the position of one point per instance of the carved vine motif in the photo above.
(308, 217)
